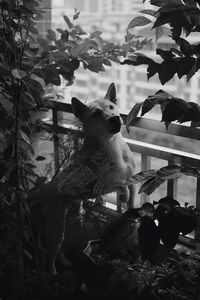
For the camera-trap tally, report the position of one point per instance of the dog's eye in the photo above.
(111, 107)
(97, 113)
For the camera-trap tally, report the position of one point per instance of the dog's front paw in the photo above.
(124, 193)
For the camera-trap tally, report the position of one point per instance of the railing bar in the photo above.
(55, 138)
(143, 123)
(174, 129)
(145, 165)
(197, 230)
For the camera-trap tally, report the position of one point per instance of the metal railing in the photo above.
(146, 150)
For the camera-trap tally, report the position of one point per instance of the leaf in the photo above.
(76, 15)
(3, 70)
(191, 171)
(152, 69)
(43, 43)
(40, 181)
(185, 65)
(40, 158)
(28, 254)
(65, 36)
(34, 85)
(138, 21)
(51, 35)
(165, 54)
(106, 62)
(170, 172)
(2, 168)
(185, 46)
(84, 47)
(166, 71)
(58, 56)
(160, 97)
(67, 20)
(161, 20)
(150, 12)
(192, 113)
(132, 115)
(8, 152)
(23, 137)
(18, 73)
(175, 110)
(28, 101)
(151, 185)
(144, 175)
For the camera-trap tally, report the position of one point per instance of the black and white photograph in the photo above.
(99, 149)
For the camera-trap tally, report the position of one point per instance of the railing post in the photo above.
(145, 165)
(55, 138)
(197, 229)
(172, 185)
(119, 204)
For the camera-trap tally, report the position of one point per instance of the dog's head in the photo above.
(99, 117)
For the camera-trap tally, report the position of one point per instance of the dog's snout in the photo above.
(115, 119)
(114, 124)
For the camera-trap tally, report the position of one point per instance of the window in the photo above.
(81, 83)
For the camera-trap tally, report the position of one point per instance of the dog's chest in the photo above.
(97, 172)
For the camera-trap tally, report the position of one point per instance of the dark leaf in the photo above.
(3, 70)
(152, 69)
(34, 85)
(138, 21)
(185, 46)
(151, 185)
(40, 158)
(166, 71)
(177, 52)
(65, 35)
(43, 43)
(2, 168)
(51, 35)
(67, 20)
(192, 113)
(166, 55)
(52, 75)
(175, 110)
(132, 115)
(8, 152)
(161, 20)
(184, 66)
(40, 181)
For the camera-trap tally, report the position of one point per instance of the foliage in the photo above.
(28, 64)
(182, 17)
(138, 277)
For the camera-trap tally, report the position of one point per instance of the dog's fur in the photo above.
(104, 165)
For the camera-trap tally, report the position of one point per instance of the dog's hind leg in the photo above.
(54, 232)
(131, 200)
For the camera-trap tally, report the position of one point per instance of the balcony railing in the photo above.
(146, 150)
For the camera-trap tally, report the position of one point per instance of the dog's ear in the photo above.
(78, 108)
(111, 93)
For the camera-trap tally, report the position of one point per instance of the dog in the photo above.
(105, 164)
